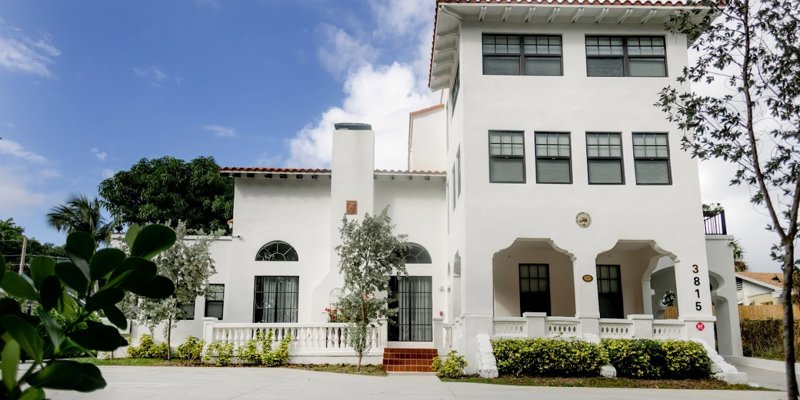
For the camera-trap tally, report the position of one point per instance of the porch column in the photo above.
(694, 297)
(477, 287)
(586, 304)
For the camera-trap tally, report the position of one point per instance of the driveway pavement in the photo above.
(169, 383)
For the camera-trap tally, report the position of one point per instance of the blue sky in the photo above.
(89, 87)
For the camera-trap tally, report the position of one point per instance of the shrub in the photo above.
(278, 357)
(249, 352)
(685, 360)
(147, 348)
(219, 352)
(452, 366)
(654, 359)
(764, 338)
(191, 349)
(548, 357)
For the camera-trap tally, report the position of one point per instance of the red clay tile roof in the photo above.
(401, 172)
(276, 170)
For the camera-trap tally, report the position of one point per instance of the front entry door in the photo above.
(412, 301)
(609, 291)
(534, 288)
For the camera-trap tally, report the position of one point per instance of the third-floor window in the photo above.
(625, 56)
(521, 55)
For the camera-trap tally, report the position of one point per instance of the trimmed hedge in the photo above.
(548, 357)
(632, 358)
(147, 348)
(654, 359)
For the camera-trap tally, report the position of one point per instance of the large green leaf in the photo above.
(133, 272)
(32, 393)
(70, 274)
(10, 362)
(116, 317)
(9, 307)
(19, 286)
(130, 236)
(160, 287)
(79, 249)
(104, 298)
(99, 337)
(69, 375)
(151, 240)
(50, 292)
(42, 267)
(53, 330)
(105, 261)
(25, 334)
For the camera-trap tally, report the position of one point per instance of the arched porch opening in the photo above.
(533, 275)
(624, 275)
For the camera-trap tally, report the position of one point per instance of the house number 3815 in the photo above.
(696, 280)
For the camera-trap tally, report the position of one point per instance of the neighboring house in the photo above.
(757, 288)
(546, 196)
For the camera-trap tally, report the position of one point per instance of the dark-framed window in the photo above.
(609, 291)
(604, 158)
(553, 157)
(416, 254)
(186, 311)
(626, 56)
(651, 158)
(454, 185)
(534, 288)
(455, 89)
(275, 298)
(215, 300)
(277, 251)
(522, 55)
(506, 157)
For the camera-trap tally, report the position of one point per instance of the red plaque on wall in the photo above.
(700, 326)
(352, 207)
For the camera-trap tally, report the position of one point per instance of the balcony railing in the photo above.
(715, 224)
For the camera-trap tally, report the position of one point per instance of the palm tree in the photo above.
(738, 256)
(79, 214)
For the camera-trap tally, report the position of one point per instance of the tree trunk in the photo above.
(169, 338)
(788, 319)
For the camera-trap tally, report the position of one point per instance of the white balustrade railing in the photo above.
(510, 327)
(447, 337)
(669, 329)
(562, 327)
(316, 338)
(616, 329)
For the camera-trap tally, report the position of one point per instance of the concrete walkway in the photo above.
(169, 383)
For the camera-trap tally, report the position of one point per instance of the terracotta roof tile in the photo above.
(276, 170)
(770, 278)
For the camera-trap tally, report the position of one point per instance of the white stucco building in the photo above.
(547, 196)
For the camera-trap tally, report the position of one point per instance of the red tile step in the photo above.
(408, 360)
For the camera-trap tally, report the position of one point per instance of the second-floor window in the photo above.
(521, 55)
(506, 157)
(625, 56)
(604, 158)
(651, 158)
(553, 156)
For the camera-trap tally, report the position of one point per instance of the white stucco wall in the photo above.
(428, 136)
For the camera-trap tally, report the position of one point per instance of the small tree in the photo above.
(752, 46)
(369, 254)
(189, 265)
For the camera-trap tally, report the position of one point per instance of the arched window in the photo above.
(416, 254)
(277, 251)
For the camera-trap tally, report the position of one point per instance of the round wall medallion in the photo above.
(587, 278)
(583, 219)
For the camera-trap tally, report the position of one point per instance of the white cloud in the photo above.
(108, 173)
(221, 131)
(381, 94)
(100, 155)
(269, 160)
(11, 124)
(49, 173)
(342, 52)
(155, 75)
(20, 53)
(14, 149)
(16, 197)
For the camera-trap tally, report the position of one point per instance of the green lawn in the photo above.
(373, 370)
(137, 362)
(709, 384)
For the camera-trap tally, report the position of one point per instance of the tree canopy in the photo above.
(752, 119)
(369, 254)
(79, 214)
(11, 238)
(169, 189)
